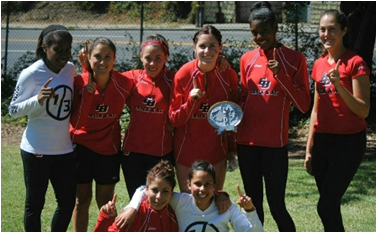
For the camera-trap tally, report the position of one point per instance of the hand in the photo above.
(223, 202)
(125, 219)
(223, 63)
(171, 128)
(91, 86)
(274, 64)
(308, 164)
(245, 201)
(110, 208)
(46, 92)
(84, 58)
(334, 75)
(196, 93)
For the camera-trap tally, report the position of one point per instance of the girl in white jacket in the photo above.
(198, 212)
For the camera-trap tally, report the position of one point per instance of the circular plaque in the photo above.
(225, 115)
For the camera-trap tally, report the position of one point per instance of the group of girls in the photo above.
(167, 123)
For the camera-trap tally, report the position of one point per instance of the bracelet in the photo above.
(251, 210)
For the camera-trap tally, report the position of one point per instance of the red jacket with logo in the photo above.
(95, 117)
(194, 137)
(147, 219)
(333, 114)
(266, 98)
(147, 132)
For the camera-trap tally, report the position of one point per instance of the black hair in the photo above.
(163, 170)
(101, 40)
(207, 29)
(201, 165)
(262, 11)
(340, 18)
(49, 36)
(158, 38)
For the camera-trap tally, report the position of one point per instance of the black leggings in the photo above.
(271, 164)
(136, 166)
(335, 160)
(38, 171)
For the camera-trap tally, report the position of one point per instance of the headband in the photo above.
(157, 42)
(53, 28)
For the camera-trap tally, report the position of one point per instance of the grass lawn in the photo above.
(358, 204)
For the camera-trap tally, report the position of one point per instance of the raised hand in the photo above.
(110, 208)
(244, 201)
(223, 63)
(84, 57)
(91, 86)
(274, 64)
(45, 92)
(334, 75)
(196, 93)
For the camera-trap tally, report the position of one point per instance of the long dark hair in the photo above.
(207, 29)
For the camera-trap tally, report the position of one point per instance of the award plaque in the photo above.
(225, 116)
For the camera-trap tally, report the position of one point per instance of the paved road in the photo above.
(24, 39)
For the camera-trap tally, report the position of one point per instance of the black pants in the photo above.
(335, 160)
(38, 171)
(271, 164)
(136, 166)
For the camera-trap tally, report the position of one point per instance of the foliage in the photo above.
(95, 6)
(16, 6)
(123, 7)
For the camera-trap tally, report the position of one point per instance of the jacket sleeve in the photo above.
(244, 88)
(232, 147)
(105, 223)
(23, 101)
(296, 84)
(137, 198)
(181, 109)
(244, 221)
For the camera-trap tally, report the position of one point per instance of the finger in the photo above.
(239, 191)
(274, 53)
(337, 65)
(194, 82)
(48, 82)
(86, 46)
(114, 199)
(90, 78)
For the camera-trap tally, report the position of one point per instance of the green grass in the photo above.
(358, 204)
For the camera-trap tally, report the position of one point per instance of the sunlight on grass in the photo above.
(358, 204)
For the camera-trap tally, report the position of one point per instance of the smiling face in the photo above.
(202, 188)
(263, 34)
(330, 32)
(101, 60)
(207, 49)
(154, 59)
(57, 55)
(159, 192)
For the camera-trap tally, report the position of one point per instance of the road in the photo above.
(21, 41)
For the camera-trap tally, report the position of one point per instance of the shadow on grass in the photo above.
(363, 185)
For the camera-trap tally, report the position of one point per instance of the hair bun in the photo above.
(261, 5)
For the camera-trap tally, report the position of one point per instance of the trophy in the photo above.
(225, 116)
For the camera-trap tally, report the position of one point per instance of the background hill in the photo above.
(82, 12)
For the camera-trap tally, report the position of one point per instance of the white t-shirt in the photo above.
(48, 124)
(191, 218)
